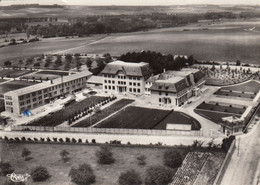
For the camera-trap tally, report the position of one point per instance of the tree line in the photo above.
(158, 61)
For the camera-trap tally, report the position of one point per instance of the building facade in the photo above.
(126, 78)
(174, 88)
(31, 97)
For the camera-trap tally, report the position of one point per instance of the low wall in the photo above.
(197, 133)
(225, 164)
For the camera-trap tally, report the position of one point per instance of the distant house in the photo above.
(173, 88)
(232, 125)
(95, 81)
(126, 78)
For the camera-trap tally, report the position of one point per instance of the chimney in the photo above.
(164, 70)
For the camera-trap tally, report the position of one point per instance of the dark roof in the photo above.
(130, 69)
(169, 86)
(198, 76)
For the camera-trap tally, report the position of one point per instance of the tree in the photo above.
(40, 173)
(7, 63)
(105, 156)
(172, 158)
(64, 155)
(83, 175)
(238, 63)
(89, 63)
(26, 153)
(5, 168)
(158, 175)
(130, 177)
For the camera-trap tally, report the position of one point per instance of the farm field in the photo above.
(48, 155)
(45, 75)
(221, 41)
(13, 73)
(251, 86)
(66, 113)
(145, 118)
(104, 113)
(13, 85)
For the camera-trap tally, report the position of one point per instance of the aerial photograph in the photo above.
(129, 92)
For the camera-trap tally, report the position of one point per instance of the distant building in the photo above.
(173, 88)
(125, 77)
(19, 100)
(232, 125)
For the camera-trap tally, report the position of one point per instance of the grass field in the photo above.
(48, 155)
(13, 73)
(145, 118)
(251, 86)
(104, 113)
(221, 42)
(13, 85)
(66, 113)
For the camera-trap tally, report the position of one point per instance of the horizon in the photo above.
(129, 3)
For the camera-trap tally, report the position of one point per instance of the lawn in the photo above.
(13, 85)
(13, 73)
(135, 117)
(48, 155)
(66, 113)
(145, 118)
(235, 94)
(221, 108)
(104, 113)
(251, 86)
(214, 116)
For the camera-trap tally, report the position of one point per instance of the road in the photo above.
(244, 165)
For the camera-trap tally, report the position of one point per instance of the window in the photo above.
(160, 87)
(105, 87)
(138, 90)
(29, 106)
(130, 78)
(134, 89)
(160, 100)
(166, 94)
(105, 81)
(113, 81)
(21, 97)
(160, 93)
(138, 84)
(45, 90)
(8, 97)
(22, 103)
(138, 78)
(113, 87)
(130, 83)
(109, 87)
(109, 81)
(34, 99)
(39, 92)
(130, 89)
(28, 101)
(134, 84)
(34, 94)
(27, 95)
(40, 97)
(40, 102)
(9, 103)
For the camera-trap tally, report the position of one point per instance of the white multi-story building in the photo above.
(19, 100)
(173, 88)
(126, 78)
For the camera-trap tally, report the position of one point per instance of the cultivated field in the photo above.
(145, 118)
(66, 113)
(103, 113)
(13, 85)
(221, 41)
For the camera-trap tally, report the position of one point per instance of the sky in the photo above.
(128, 2)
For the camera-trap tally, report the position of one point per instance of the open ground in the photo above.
(221, 41)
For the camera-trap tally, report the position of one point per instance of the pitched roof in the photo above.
(141, 69)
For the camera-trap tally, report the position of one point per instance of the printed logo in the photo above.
(27, 113)
(18, 177)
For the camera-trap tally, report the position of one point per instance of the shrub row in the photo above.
(90, 109)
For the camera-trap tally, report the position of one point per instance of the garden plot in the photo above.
(67, 112)
(103, 113)
(146, 118)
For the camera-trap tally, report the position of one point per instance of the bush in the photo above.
(158, 175)
(5, 168)
(61, 140)
(141, 160)
(64, 155)
(73, 140)
(26, 153)
(80, 140)
(172, 158)
(40, 173)
(42, 139)
(93, 141)
(130, 177)
(82, 175)
(226, 143)
(67, 140)
(105, 156)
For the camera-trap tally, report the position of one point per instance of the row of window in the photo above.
(109, 81)
(110, 87)
(165, 100)
(134, 84)
(51, 88)
(122, 77)
(160, 93)
(134, 90)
